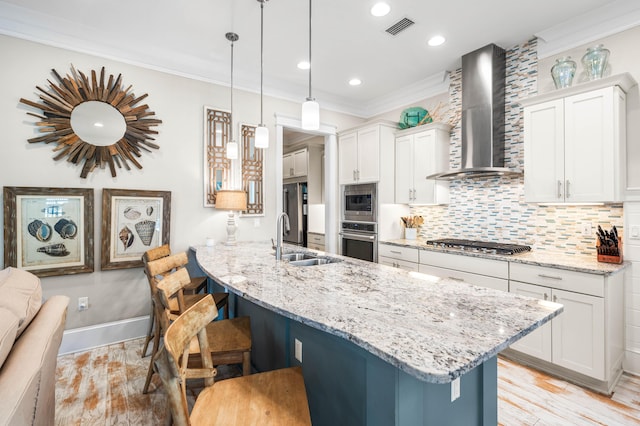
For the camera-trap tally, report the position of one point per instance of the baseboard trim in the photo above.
(86, 338)
(631, 362)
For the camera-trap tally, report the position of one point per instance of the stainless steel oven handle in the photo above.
(359, 237)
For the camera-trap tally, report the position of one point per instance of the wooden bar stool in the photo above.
(155, 271)
(273, 398)
(230, 339)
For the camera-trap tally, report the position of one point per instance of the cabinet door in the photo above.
(300, 163)
(368, 155)
(538, 342)
(544, 152)
(287, 165)
(589, 147)
(348, 157)
(424, 164)
(404, 169)
(578, 333)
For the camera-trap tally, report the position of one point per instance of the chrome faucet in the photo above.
(283, 217)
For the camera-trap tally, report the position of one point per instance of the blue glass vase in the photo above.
(595, 61)
(563, 72)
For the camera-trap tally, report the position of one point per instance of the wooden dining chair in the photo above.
(277, 398)
(229, 339)
(158, 264)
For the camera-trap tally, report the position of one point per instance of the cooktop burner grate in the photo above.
(479, 246)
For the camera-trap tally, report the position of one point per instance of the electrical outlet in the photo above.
(587, 230)
(455, 389)
(298, 350)
(83, 303)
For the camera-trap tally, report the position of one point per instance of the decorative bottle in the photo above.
(595, 61)
(563, 72)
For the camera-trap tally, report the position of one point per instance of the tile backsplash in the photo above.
(494, 208)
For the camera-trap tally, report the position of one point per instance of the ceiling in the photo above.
(188, 38)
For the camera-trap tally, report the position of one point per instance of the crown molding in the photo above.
(594, 25)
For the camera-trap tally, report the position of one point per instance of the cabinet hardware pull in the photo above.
(566, 189)
(559, 189)
(546, 296)
(410, 195)
(358, 173)
(550, 277)
(555, 298)
(456, 279)
(396, 252)
(354, 174)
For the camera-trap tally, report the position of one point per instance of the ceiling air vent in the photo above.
(400, 26)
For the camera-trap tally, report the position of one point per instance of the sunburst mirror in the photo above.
(94, 121)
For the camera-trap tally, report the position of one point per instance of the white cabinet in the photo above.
(586, 338)
(295, 164)
(360, 150)
(471, 270)
(574, 144)
(399, 257)
(421, 152)
(315, 241)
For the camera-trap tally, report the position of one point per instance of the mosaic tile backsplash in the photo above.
(494, 208)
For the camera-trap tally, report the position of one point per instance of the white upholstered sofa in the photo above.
(30, 336)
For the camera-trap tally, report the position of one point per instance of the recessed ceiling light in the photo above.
(355, 82)
(436, 40)
(304, 65)
(380, 9)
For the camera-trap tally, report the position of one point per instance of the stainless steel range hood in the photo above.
(483, 91)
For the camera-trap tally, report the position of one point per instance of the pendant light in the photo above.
(262, 133)
(310, 108)
(232, 145)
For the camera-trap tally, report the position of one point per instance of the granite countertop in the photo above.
(433, 329)
(571, 262)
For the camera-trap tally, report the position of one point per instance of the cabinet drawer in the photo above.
(474, 265)
(315, 246)
(561, 279)
(401, 253)
(466, 277)
(396, 263)
(314, 238)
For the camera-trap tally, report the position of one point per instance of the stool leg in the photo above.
(153, 327)
(225, 311)
(154, 351)
(246, 363)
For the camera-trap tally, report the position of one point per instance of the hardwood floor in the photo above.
(104, 387)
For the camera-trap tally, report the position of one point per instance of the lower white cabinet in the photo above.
(399, 257)
(315, 241)
(471, 270)
(587, 337)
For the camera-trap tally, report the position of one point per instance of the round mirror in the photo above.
(98, 123)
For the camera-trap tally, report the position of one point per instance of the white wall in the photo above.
(177, 166)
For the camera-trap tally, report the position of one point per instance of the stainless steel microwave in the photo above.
(359, 202)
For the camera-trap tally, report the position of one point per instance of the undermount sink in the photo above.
(297, 256)
(314, 261)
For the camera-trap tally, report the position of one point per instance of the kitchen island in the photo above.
(381, 345)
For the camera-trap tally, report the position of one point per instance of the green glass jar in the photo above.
(563, 72)
(595, 61)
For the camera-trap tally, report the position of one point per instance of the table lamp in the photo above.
(232, 200)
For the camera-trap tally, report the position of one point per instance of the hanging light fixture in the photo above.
(262, 133)
(310, 108)
(232, 145)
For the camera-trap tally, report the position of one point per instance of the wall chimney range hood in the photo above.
(483, 103)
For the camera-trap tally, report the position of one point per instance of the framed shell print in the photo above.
(48, 231)
(133, 221)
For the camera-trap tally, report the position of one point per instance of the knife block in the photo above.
(608, 258)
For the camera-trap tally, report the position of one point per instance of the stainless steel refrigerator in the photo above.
(294, 200)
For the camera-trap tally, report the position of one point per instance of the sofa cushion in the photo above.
(8, 331)
(21, 294)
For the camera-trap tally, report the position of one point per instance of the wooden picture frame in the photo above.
(48, 231)
(133, 221)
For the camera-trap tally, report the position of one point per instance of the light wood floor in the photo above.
(104, 387)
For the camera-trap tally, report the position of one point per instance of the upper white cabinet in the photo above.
(420, 152)
(295, 164)
(366, 155)
(574, 143)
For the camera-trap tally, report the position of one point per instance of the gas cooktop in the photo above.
(479, 246)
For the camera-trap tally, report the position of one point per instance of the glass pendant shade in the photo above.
(310, 115)
(232, 150)
(262, 136)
